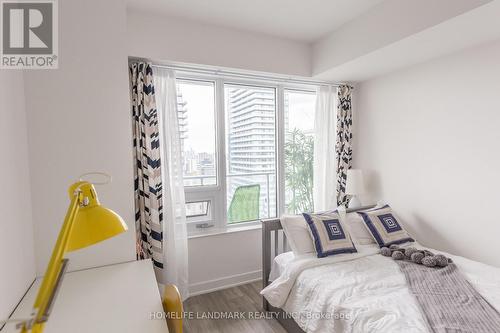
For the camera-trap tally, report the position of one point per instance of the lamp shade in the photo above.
(93, 222)
(355, 184)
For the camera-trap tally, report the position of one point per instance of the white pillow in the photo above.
(297, 233)
(358, 230)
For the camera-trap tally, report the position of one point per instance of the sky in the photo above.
(200, 100)
(301, 108)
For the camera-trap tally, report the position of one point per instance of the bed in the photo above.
(365, 292)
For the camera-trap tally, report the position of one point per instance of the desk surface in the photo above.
(117, 298)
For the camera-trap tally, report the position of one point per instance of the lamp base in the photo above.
(354, 202)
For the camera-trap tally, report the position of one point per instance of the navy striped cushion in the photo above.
(330, 235)
(385, 226)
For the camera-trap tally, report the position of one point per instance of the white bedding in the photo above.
(279, 264)
(363, 292)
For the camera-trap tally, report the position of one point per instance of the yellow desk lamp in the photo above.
(86, 223)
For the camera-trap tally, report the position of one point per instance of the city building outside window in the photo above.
(247, 149)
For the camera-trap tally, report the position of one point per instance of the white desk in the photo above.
(116, 298)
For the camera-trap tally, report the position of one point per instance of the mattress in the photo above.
(363, 292)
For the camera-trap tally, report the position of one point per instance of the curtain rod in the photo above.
(234, 74)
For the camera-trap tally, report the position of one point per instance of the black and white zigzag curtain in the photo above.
(147, 165)
(343, 145)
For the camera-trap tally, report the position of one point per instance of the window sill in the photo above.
(220, 231)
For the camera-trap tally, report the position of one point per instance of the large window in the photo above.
(247, 149)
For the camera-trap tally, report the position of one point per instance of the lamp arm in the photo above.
(43, 298)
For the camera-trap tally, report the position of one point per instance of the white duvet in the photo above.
(363, 292)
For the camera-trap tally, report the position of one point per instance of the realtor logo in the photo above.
(29, 34)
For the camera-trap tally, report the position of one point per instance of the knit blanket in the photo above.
(448, 300)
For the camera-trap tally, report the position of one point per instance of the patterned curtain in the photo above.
(343, 145)
(147, 165)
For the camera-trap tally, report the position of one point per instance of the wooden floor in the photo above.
(244, 299)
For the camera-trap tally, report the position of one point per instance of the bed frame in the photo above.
(274, 242)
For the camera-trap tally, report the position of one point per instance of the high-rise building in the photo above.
(182, 116)
(251, 143)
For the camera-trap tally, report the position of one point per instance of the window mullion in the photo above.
(221, 219)
(280, 151)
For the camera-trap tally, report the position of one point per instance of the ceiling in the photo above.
(303, 20)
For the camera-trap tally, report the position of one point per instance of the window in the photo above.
(196, 114)
(250, 114)
(197, 209)
(299, 150)
(247, 149)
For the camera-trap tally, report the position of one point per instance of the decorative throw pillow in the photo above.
(385, 226)
(330, 235)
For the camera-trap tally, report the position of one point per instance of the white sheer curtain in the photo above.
(174, 220)
(325, 180)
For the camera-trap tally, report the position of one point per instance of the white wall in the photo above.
(223, 260)
(17, 265)
(79, 120)
(429, 136)
(160, 37)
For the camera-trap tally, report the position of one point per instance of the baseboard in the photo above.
(209, 286)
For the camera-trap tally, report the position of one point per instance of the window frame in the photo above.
(216, 194)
